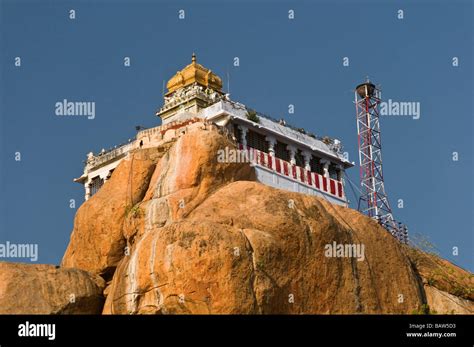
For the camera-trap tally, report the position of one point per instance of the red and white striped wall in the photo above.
(312, 179)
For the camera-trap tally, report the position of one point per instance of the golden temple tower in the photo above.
(190, 90)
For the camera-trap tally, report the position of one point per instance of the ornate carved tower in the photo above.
(190, 90)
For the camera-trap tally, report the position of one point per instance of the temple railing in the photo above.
(149, 131)
(296, 173)
(161, 129)
(105, 157)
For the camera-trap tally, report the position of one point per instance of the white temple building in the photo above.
(283, 157)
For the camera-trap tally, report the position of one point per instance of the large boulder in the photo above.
(47, 289)
(97, 243)
(177, 231)
(250, 248)
(172, 178)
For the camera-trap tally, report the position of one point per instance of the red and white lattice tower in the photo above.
(373, 200)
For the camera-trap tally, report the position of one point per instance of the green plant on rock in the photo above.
(252, 115)
(260, 264)
(136, 211)
(423, 309)
(460, 291)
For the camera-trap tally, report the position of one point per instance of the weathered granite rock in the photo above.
(47, 289)
(250, 248)
(178, 231)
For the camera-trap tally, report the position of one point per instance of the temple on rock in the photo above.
(283, 156)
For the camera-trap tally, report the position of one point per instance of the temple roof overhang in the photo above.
(239, 112)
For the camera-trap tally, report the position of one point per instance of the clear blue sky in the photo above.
(281, 62)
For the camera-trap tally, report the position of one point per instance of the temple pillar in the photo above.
(106, 177)
(271, 145)
(326, 164)
(307, 159)
(244, 130)
(340, 172)
(292, 150)
(88, 190)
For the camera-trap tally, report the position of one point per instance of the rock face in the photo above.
(442, 302)
(250, 248)
(448, 288)
(97, 244)
(46, 289)
(176, 231)
(166, 182)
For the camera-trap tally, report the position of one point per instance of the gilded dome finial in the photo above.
(194, 73)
